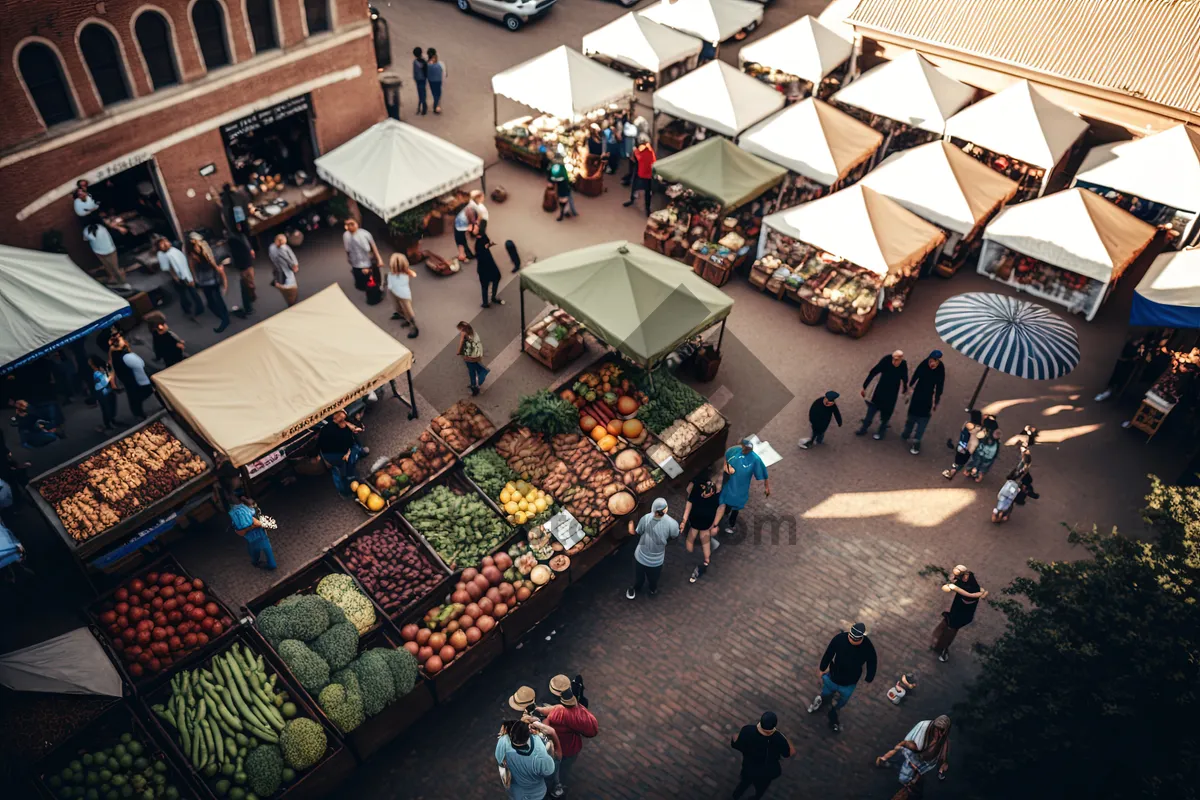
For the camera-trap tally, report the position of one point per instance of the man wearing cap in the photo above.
(742, 466)
(928, 381)
(820, 413)
(656, 529)
(892, 372)
(244, 517)
(841, 667)
(572, 722)
(761, 746)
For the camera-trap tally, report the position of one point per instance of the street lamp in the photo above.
(391, 83)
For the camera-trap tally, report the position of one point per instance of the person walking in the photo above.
(435, 73)
(400, 272)
(928, 381)
(561, 181)
(101, 242)
(762, 746)
(629, 140)
(168, 347)
(645, 157)
(655, 530)
(210, 278)
(965, 444)
(488, 271)
(172, 261)
(338, 445)
(470, 347)
(137, 383)
(822, 411)
(742, 466)
(841, 668)
(925, 748)
(242, 254)
(987, 447)
(892, 372)
(479, 213)
(245, 518)
(361, 252)
(572, 723)
(462, 226)
(284, 266)
(967, 595)
(701, 516)
(420, 75)
(524, 761)
(106, 398)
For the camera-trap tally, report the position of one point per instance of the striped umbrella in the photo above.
(1007, 334)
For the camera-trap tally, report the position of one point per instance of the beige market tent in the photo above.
(713, 21)
(910, 90)
(719, 97)
(248, 394)
(640, 42)
(719, 169)
(860, 225)
(813, 139)
(1019, 122)
(805, 48)
(942, 184)
(563, 83)
(638, 301)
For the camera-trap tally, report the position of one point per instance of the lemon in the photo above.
(522, 505)
(520, 517)
(539, 505)
(512, 507)
(510, 487)
(505, 496)
(512, 520)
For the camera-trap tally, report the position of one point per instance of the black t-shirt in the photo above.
(335, 439)
(761, 754)
(704, 509)
(239, 251)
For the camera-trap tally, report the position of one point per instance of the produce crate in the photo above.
(144, 683)
(412, 487)
(316, 782)
(855, 326)
(602, 546)
(472, 661)
(304, 581)
(105, 731)
(811, 313)
(528, 614)
(474, 445)
(460, 483)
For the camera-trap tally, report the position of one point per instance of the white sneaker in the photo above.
(944, 657)
(1100, 398)
(630, 594)
(804, 444)
(815, 704)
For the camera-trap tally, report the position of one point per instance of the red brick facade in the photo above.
(178, 125)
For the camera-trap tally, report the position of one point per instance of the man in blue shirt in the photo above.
(742, 465)
(244, 516)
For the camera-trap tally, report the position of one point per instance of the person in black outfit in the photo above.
(168, 347)
(761, 746)
(488, 271)
(701, 515)
(340, 450)
(841, 667)
(822, 410)
(242, 253)
(893, 377)
(967, 595)
(928, 381)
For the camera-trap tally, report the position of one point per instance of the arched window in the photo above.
(316, 14)
(262, 24)
(47, 84)
(103, 59)
(209, 22)
(154, 39)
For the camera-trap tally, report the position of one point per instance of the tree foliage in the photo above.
(1094, 688)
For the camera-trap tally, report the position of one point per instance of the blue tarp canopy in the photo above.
(1169, 295)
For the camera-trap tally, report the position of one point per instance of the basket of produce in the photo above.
(395, 478)
(244, 728)
(314, 579)
(537, 586)
(682, 437)
(526, 452)
(706, 419)
(586, 483)
(519, 501)
(158, 618)
(462, 427)
(457, 522)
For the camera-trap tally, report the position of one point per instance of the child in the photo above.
(986, 450)
(962, 450)
(168, 347)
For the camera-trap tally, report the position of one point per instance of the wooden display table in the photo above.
(590, 185)
(298, 199)
(560, 356)
(810, 312)
(507, 150)
(674, 139)
(1151, 415)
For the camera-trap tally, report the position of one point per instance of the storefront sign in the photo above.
(288, 108)
(266, 462)
(207, 169)
(120, 165)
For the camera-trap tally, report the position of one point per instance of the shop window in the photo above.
(154, 40)
(103, 59)
(44, 78)
(262, 24)
(208, 20)
(316, 14)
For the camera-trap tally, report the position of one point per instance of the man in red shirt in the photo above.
(645, 158)
(572, 722)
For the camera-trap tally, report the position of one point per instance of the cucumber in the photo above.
(219, 744)
(222, 713)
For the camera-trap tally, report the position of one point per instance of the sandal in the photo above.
(948, 475)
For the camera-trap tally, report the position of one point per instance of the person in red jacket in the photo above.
(645, 158)
(573, 723)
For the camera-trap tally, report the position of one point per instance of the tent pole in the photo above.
(978, 387)
(495, 110)
(522, 295)
(412, 396)
(483, 181)
(721, 335)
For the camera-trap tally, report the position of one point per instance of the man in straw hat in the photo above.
(573, 723)
(761, 746)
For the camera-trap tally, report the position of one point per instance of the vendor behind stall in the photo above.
(340, 450)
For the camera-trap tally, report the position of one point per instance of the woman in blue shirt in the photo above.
(244, 516)
(742, 465)
(435, 73)
(526, 759)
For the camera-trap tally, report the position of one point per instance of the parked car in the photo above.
(513, 13)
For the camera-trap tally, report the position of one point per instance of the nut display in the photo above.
(462, 425)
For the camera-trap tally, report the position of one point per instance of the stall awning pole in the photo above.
(412, 396)
(721, 334)
(978, 388)
(522, 333)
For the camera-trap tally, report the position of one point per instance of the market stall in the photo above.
(943, 185)
(1168, 296)
(1020, 133)
(718, 195)
(1069, 247)
(310, 360)
(801, 59)
(846, 256)
(907, 100)
(1156, 178)
(572, 92)
(710, 21)
(822, 148)
(650, 53)
(715, 98)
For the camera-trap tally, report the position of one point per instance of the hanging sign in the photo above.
(259, 119)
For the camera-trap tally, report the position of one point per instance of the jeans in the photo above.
(562, 768)
(641, 185)
(484, 284)
(249, 290)
(108, 407)
(50, 411)
(643, 575)
(216, 303)
(189, 300)
(342, 470)
(477, 373)
(137, 395)
(569, 197)
(260, 546)
(422, 107)
(435, 88)
(828, 687)
(884, 416)
(818, 436)
(32, 439)
(759, 783)
(917, 423)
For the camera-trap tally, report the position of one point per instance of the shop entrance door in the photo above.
(134, 208)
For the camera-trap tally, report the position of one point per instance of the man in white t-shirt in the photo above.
(85, 204)
(361, 252)
(172, 261)
(101, 242)
(284, 266)
(480, 212)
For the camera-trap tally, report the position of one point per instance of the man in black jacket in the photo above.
(841, 667)
(893, 378)
(928, 381)
(820, 413)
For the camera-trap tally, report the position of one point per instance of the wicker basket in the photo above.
(811, 313)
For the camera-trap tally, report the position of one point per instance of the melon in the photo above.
(607, 443)
(627, 460)
(363, 491)
(587, 422)
(627, 406)
(615, 427)
(621, 503)
(375, 503)
(598, 433)
(632, 428)
(540, 574)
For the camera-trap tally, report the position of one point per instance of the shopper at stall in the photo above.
(596, 149)
(210, 278)
(84, 204)
(172, 261)
(742, 467)
(928, 381)
(572, 723)
(462, 226)
(1133, 353)
(841, 669)
(488, 271)
(561, 180)
(924, 749)
(420, 75)
(361, 252)
(168, 347)
(629, 140)
(470, 347)
(701, 516)
(614, 143)
(967, 595)
(103, 247)
(106, 398)
(33, 428)
(340, 450)
(965, 444)
(133, 377)
(524, 761)
(987, 447)
(892, 374)
(822, 411)
(435, 73)
(242, 254)
(645, 157)
(478, 212)
(284, 266)
(1017, 488)
(244, 516)
(761, 746)
(655, 530)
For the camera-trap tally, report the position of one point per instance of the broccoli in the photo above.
(301, 617)
(343, 705)
(264, 770)
(375, 679)
(338, 645)
(302, 742)
(308, 667)
(404, 669)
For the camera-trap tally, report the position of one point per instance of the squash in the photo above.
(615, 427)
(540, 575)
(599, 432)
(621, 504)
(587, 422)
(627, 460)
(607, 443)
(363, 492)
(375, 503)
(627, 406)
(632, 428)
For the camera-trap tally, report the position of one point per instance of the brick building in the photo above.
(146, 100)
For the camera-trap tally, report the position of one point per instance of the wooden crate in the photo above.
(540, 605)
(469, 664)
(601, 548)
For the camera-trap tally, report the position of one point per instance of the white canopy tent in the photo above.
(393, 166)
(813, 139)
(74, 663)
(805, 48)
(910, 90)
(1168, 296)
(45, 302)
(640, 42)
(1019, 122)
(563, 83)
(712, 21)
(718, 97)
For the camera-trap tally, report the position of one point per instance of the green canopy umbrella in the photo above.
(719, 169)
(638, 301)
